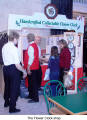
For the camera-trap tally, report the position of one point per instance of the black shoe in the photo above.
(33, 101)
(28, 97)
(6, 104)
(14, 110)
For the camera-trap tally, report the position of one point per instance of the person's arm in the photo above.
(49, 63)
(31, 55)
(31, 58)
(44, 59)
(85, 65)
(17, 63)
(20, 68)
(39, 51)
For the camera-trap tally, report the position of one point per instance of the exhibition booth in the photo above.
(74, 37)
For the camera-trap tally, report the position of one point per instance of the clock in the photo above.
(72, 61)
(72, 52)
(70, 45)
(51, 11)
(70, 37)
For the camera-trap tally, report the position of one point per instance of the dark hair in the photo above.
(63, 42)
(12, 35)
(54, 51)
(30, 37)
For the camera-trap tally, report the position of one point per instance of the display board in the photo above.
(53, 41)
(39, 20)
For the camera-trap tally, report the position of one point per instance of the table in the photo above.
(71, 104)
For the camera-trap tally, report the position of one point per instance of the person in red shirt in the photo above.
(32, 66)
(65, 58)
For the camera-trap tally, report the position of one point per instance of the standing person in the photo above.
(53, 65)
(11, 71)
(30, 38)
(65, 58)
(33, 69)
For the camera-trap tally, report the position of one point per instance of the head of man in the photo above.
(37, 40)
(30, 37)
(13, 36)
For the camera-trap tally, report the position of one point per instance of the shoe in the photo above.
(28, 97)
(6, 104)
(14, 110)
(33, 101)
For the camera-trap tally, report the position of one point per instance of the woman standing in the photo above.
(53, 65)
(65, 58)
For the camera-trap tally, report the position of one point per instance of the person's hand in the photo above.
(28, 70)
(85, 65)
(66, 72)
(24, 74)
(44, 60)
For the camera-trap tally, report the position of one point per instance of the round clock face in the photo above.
(72, 61)
(70, 38)
(50, 11)
(70, 45)
(72, 52)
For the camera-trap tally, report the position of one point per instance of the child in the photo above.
(53, 65)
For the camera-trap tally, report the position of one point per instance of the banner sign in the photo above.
(39, 20)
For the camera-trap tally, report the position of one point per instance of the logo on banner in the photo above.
(51, 11)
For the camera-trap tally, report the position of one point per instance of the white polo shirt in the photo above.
(10, 54)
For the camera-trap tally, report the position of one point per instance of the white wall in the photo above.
(22, 7)
(77, 7)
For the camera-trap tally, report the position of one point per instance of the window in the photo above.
(80, 1)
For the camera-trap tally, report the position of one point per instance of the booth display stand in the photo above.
(74, 39)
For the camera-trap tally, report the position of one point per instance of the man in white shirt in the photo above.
(11, 71)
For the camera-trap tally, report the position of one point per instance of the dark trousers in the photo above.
(53, 88)
(61, 74)
(61, 78)
(39, 77)
(12, 85)
(85, 71)
(33, 85)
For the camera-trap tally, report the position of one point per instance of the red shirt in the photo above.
(35, 64)
(65, 58)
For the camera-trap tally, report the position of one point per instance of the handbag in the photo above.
(47, 74)
(67, 80)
